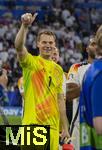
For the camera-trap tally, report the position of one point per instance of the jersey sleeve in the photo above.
(73, 74)
(96, 97)
(30, 61)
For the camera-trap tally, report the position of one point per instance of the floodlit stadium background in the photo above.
(73, 21)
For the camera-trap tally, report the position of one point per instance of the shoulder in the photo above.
(57, 67)
(83, 68)
(74, 67)
(57, 71)
(74, 70)
(98, 78)
(27, 57)
(95, 69)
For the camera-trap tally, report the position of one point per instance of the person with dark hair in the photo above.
(74, 82)
(43, 94)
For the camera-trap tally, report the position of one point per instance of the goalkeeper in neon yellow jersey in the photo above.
(43, 95)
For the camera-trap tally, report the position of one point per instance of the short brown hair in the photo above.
(47, 32)
(99, 40)
(99, 31)
(92, 41)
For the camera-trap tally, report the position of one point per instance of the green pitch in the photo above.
(13, 120)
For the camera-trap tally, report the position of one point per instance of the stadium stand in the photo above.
(74, 22)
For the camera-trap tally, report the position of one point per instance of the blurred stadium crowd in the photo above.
(73, 21)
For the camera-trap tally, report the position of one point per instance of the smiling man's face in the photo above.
(46, 44)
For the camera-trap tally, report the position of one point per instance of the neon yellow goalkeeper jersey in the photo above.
(42, 82)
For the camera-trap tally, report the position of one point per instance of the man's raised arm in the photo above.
(26, 20)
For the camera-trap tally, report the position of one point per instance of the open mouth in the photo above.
(48, 49)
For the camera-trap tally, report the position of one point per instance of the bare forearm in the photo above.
(97, 123)
(73, 93)
(64, 120)
(63, 116)
(20, 38)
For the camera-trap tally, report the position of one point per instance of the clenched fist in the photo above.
(28, 18)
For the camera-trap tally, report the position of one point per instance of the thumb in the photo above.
(34, 16)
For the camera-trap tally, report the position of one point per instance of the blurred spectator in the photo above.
(95, 17)
(3, 88)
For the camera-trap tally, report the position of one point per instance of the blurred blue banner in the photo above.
(12, 111)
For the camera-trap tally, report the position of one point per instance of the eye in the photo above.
(50, 42)
(44, 42)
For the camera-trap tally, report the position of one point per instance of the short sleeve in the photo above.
(73, 75)
(30, 61)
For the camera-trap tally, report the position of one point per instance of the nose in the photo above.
(48, 44)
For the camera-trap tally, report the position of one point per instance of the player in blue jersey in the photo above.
(91, 103)
(74, 83)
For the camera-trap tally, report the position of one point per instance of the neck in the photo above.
(47, 57)
(90, 60)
